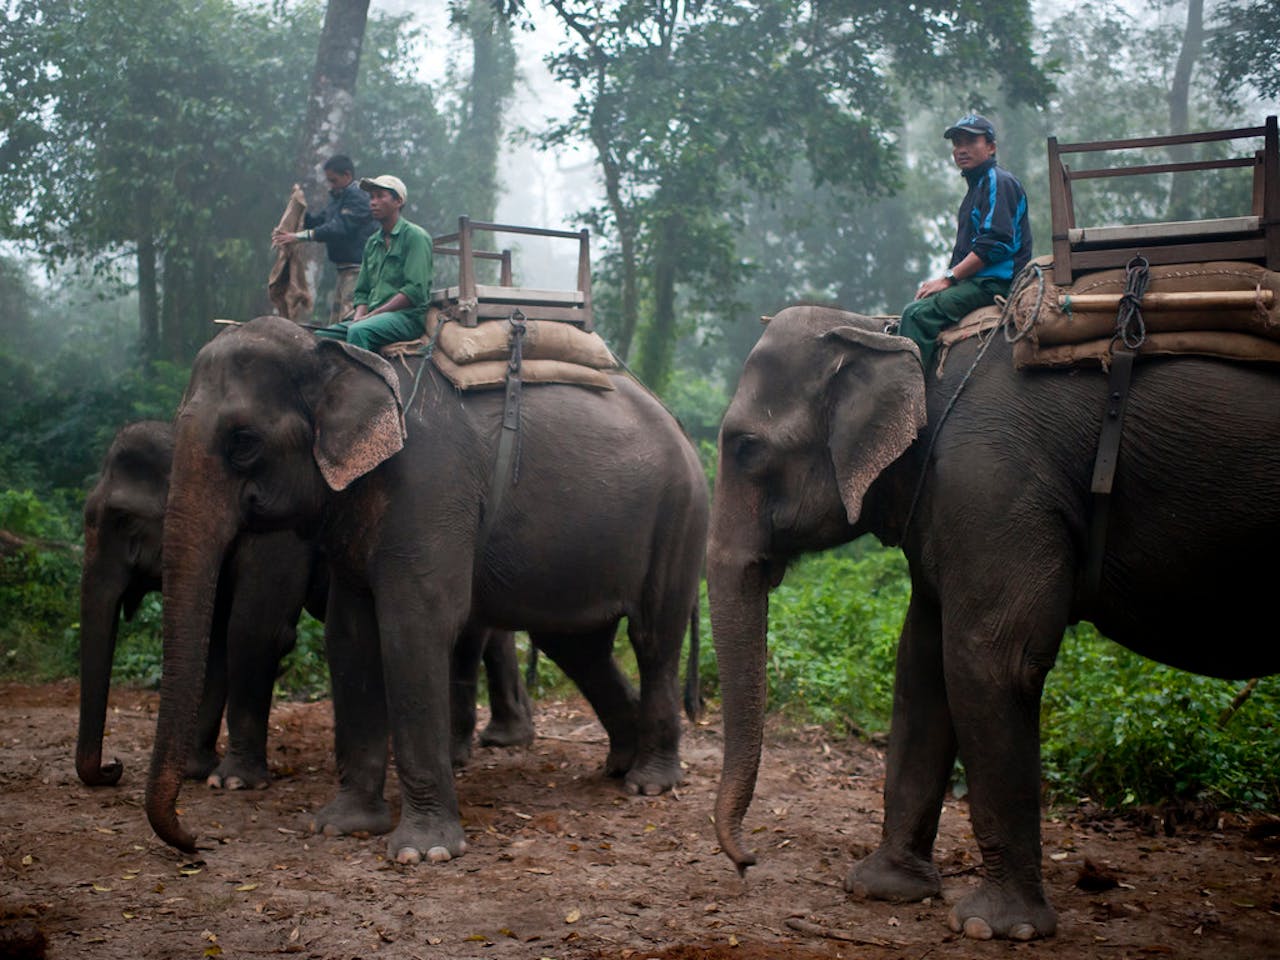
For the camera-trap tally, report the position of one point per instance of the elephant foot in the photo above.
(507, 733)
(992, 911)
(431, 839)
(349, 812)
(886, 876)
(653, 775)
(201, 763)
(234, 773)
(619, 761)
(460, 753)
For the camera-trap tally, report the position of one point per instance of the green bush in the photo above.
(1123, 729)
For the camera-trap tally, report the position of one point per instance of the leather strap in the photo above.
(1104, 468)
(506, 468)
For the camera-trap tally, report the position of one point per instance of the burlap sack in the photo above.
(1222, 344)
(490, 374)
(1055, 325)
(287, 283)
(543, 340)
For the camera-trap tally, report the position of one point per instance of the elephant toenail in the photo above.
(235, 783)
(953, 921)
(633, 788)
(331, 830)
(408, 855)
(652, 789)
(439, 855)
(214, 781)
(975, 928)
(1022, 931)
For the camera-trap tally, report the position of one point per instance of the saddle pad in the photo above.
(491, 374)
(543, 340)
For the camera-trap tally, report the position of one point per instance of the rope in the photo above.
(425, 353)
(1131, 328)
(1024, 279)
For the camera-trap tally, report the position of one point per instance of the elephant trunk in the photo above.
(738, 590)
(200, 524)
(102, 586)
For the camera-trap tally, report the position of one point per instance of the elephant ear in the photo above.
(359, 420)
(877, 407)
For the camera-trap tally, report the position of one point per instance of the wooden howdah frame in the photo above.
(471, 302)
(1255, 237)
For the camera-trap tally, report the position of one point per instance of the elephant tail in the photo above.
(692, 688)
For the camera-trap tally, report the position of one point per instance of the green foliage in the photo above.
(833, 634)
(1123, 729)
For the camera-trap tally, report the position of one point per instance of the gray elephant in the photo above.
(261, 591)
(826, 439)
(605, 518)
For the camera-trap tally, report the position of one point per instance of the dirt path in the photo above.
(561, 864)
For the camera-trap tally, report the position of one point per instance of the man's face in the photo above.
(337, 181)
(970, 150)
(384, 204)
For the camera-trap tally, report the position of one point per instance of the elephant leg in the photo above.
(922, 752)
(463, 691)
(510, 709)
(587, 660)
(204, 752)
(419, 621)
(656, 767)
(359, 715)
(995, 675)
(253, 660)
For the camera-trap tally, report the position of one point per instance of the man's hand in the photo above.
(930, 287)
(282, 238)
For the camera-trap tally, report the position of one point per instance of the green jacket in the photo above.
(405, 267)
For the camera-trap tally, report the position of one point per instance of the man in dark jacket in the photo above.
(342, 226)
(993, 239)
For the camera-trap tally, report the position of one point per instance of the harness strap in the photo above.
(1129, 336)
(506, 468)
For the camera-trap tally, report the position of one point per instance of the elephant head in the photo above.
(274, 421)
(826, 403)
(123, 524)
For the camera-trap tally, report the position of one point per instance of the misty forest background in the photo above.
(742, 155)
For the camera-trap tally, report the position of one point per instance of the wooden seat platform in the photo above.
(471, 301)
(1254, 237)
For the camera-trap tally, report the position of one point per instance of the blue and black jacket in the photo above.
(344, 224)
(993, 222)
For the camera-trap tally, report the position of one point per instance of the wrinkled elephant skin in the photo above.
(826, 439)
(279, 429)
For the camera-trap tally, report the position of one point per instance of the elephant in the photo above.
(603, 515)
(261, 591)
(832, 434)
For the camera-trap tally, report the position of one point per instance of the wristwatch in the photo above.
(949, 275)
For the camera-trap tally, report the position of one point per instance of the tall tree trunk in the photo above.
(659, 338)
(492, 80)
(148, 300)
(625, 225)
(1181, 205)
(329, 106)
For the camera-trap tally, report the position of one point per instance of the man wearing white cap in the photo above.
(395, 274)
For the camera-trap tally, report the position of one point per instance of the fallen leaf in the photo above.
(27, 861)
(190, 871)
(246, 887)
(476, 938)
(573, 916)
(101, 888)
(106, 830)
(213, 950)
(733, 941)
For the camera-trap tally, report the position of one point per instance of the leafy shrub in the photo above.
(1124, 729)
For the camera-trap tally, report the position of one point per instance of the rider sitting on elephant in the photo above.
(395, 274)
(993, 239)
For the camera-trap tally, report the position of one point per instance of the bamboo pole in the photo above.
(1190, 300)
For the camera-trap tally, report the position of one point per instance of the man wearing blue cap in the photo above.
(993, 239)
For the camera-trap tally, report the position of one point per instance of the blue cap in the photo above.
(971, 123)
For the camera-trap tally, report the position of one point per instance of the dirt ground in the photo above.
(562, 864)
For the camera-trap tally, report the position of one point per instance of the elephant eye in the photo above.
(243, 448)
(749, 452)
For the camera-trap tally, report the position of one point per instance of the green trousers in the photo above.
(923, 320)
(378, 330)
